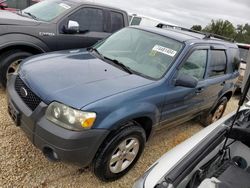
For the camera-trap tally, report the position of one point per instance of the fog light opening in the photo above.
(50, 154)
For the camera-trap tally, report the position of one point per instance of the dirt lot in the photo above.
(22, 165)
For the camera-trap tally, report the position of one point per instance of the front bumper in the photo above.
(69, 146)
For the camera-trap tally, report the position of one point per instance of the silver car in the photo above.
(217, 156)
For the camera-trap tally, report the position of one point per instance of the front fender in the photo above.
(129, 112)
(9, 40)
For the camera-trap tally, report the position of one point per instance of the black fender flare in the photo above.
(12, 40)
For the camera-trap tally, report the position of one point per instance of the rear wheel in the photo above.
(120, 153)
(216, 113)
(10, 62)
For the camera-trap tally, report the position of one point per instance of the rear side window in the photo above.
(117, 21)
(235, 59)
(243, 53)
(218, 63)
(89, 19)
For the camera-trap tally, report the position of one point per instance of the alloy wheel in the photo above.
(218, 113)
(124, 155)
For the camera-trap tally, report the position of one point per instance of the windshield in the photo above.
(143, 52)
(47, 10)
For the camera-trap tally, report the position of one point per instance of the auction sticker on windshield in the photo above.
(164, 50)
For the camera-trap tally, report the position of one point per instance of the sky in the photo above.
(186, 13)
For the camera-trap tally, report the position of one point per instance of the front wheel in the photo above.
(120, 153)
(10, 62)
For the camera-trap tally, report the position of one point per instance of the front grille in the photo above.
(28, 97)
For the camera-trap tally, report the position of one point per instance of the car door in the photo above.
(216, 77)
(92, 24)
(182, 103)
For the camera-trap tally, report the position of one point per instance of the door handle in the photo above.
(199, 90)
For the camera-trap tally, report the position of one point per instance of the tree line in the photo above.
(225, 28)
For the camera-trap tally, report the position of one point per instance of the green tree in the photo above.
(196, 27)
(221, 27)
(243, 33)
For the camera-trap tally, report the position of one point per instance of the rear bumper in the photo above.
(69, 146)
(239, 82)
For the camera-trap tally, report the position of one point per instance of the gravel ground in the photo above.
(22, 165)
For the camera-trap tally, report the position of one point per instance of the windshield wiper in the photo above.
(96, 51)
(116, 62)
(124, 67)
(31, 15)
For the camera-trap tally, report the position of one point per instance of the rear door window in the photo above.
(117, 21)
(218, 63)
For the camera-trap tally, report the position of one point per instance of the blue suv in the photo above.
(99, 106)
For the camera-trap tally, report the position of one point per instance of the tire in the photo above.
(9, 59)
(102, 166)
(216, 113)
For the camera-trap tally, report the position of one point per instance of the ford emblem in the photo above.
(23, 92)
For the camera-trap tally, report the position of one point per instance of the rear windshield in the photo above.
(243, 53)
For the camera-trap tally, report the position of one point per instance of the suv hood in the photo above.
(10, 18)
(76, 78)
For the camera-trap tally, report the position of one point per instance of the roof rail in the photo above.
(207, 35)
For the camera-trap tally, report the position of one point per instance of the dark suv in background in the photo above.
(99, 106)
(54, 25)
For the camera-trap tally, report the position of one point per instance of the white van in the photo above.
(135, 19)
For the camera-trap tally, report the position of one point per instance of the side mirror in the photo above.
(72, 27)
(186, 81)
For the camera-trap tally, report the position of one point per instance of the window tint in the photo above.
(116, 21)
(243, 53)
(20, 4)
(218, 63)
(235, 59)
(90, 19)
(195, 65)
(136, 21)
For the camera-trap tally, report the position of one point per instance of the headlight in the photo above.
(70, 118)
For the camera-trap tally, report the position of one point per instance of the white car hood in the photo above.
(170, 159)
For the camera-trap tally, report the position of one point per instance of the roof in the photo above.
(80, 2)
(185, 36)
